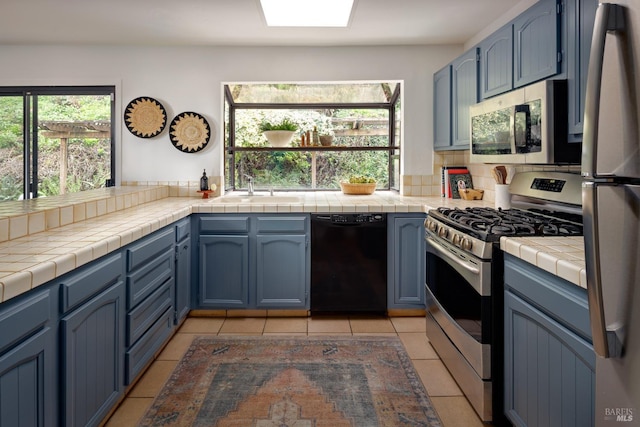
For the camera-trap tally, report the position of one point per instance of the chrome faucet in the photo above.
(249, 185)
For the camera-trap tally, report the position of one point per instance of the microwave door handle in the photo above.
(609, 18)
(525, 136)
(512, 130)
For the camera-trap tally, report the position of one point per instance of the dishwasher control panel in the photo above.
(366, 218)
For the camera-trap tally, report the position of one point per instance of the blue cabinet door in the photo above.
(282, 271)
(537, 43)
(464, 94)
(28, 371)
(580, 18)
(407, 263)
(224, 271)
(92, 357)
(549, 370)
(183, 279)
(496, 63)
(442, 108)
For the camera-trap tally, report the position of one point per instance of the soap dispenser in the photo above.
(204, 181)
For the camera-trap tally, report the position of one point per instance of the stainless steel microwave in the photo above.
(527, 125)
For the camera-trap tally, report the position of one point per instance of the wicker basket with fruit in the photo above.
(359, 185)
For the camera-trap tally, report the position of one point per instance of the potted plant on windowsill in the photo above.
(279, 134)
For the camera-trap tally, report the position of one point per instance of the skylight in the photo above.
(307, 13)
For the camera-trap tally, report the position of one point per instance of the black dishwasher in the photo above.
(349, 263)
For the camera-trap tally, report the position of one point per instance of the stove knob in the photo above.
(466, 244)
(443, 232)
(431, 225)
(456, 239)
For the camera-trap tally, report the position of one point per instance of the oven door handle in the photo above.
(445, 253)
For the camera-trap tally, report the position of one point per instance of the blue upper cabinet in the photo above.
(537, 47)
(496, 63)
(464, 72)
(442, 108)
(580, 18)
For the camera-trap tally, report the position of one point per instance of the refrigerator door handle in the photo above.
(610, 17)
(606, 343)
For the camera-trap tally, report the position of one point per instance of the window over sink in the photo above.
(337, 130)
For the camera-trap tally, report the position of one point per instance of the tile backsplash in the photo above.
(429, 185)
(181, 188)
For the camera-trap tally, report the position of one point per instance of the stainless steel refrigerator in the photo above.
(611, 207)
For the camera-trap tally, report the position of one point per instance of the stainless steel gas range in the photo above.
(464, 285)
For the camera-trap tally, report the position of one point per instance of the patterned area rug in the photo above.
(295, 382)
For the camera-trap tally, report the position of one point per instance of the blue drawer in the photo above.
(149, 248)
(143, 352)
(282, 224)
(224, 224)
(144, 281)
(80, 285)
(21, 319)
(140, 319)
(561, 300)
(183, 229)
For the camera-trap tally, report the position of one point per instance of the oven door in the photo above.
(458, 298)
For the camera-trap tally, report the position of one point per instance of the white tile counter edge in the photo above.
(35, 259)
(561, 256)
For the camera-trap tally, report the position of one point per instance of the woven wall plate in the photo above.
(145, 117)
(189, 132)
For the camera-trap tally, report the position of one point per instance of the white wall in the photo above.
(516, 10)
(189, 79)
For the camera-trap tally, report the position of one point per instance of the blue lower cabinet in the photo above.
(138, 356)
(91, 357)
(281, 271)
(28, 373)
(183, 270)
(69, 347)
(253, 261)
(224, 271)
(406, 262)
(549, 362)
(151, 290)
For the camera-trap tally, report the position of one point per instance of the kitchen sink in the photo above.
(257, 199)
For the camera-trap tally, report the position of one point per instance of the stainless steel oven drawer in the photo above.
(477, 391)
(478, 354)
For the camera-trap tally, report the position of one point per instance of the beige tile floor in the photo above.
(452, 407)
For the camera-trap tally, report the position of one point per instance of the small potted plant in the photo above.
(358, 184)
(279, 134)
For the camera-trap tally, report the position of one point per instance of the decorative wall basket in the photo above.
(145, 117)
(279, 138)
(189, 132)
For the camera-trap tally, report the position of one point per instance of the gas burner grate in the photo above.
(490, 224)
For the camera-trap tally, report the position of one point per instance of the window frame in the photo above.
(393, 147)
(29, 96)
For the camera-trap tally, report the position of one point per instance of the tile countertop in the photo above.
(46, 238)
(561, 256)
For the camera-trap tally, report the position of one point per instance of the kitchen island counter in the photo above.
(42, 239)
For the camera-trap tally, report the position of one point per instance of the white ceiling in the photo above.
(239, 23)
